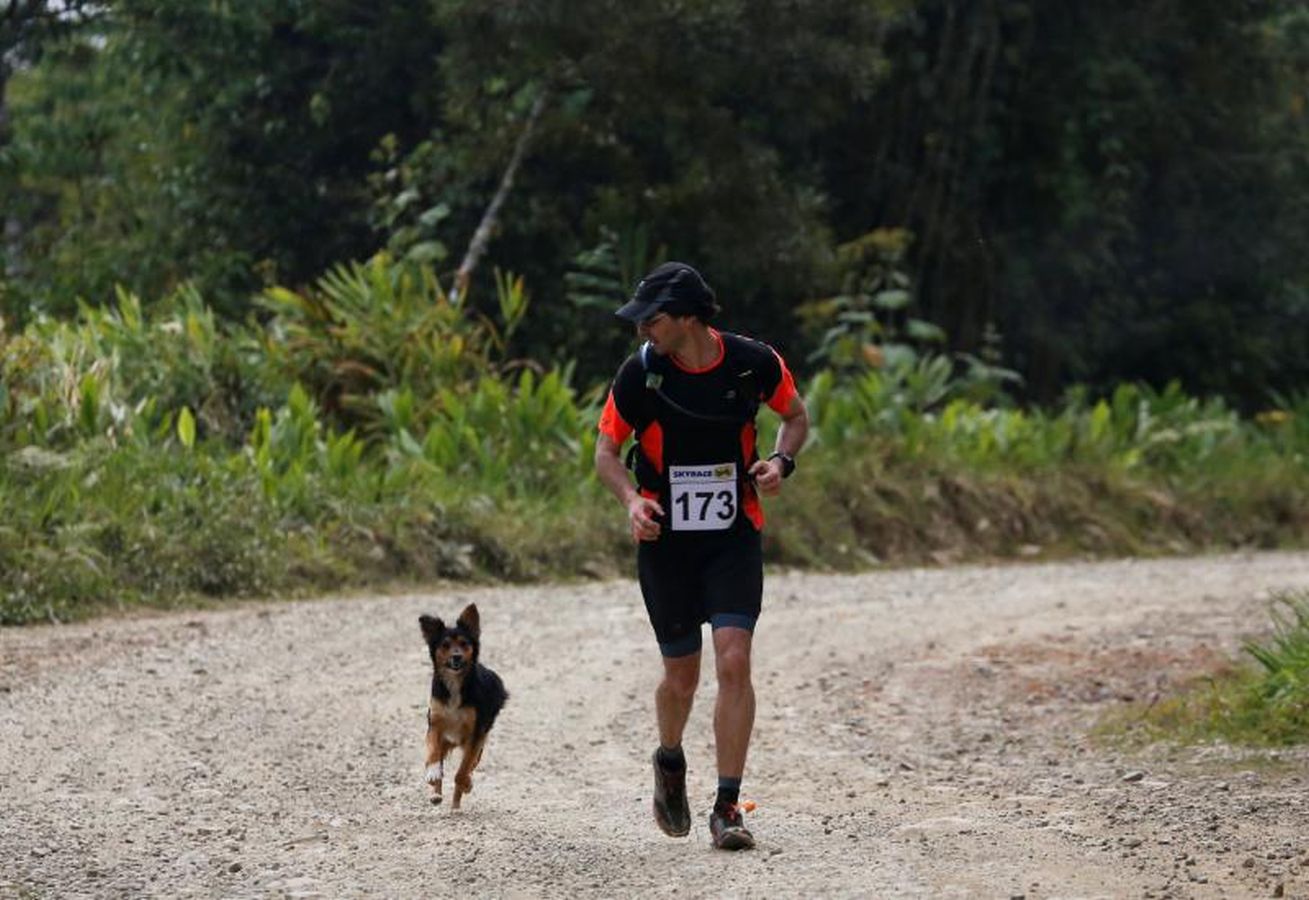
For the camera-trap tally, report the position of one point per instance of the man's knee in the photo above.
(679, 687)
(732, 658)
(681, 677)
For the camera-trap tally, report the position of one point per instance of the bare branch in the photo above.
(482, 236)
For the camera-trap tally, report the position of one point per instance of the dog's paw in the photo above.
(434, 773)
(436, 799)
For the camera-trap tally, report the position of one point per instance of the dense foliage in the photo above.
(1093, 192)
(372, 426)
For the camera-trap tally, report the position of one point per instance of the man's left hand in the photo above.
(767, 475)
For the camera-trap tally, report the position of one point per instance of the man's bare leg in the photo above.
(734, 710)
(675, 696)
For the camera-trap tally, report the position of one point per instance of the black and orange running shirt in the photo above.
(695, 429)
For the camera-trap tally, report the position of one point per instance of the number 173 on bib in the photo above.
(703, 497)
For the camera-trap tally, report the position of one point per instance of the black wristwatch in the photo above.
(788, 462)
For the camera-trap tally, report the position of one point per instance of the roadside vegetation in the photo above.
(1261, 700)
(371, 430)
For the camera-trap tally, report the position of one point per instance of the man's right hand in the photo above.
(641, 512)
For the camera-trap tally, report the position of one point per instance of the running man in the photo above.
(690, 396)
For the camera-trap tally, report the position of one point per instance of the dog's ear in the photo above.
(432, 628)
(469, 619)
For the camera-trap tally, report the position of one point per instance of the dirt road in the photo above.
(919, 733)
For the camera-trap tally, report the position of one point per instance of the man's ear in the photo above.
(469, 619)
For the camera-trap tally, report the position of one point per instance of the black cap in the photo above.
(671, 287)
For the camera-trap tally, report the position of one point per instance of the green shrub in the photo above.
(368, 328)
(1266, 704)
(98, 528)
(121, 372)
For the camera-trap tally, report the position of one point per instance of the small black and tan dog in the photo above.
(466, 698)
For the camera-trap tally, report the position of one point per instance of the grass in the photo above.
(886, 506)
(1259, 702)
(100, 527)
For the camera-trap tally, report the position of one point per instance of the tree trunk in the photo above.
(482, 236)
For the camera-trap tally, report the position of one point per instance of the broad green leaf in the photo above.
(186, 428)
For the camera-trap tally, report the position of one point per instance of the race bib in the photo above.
(703, 497)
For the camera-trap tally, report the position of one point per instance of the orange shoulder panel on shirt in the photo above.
(612, 423)
(785, 392)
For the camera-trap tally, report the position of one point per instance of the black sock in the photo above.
(729, 791)
(672, 760)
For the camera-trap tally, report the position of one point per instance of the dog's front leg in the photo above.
(435, 764)
(467, 763)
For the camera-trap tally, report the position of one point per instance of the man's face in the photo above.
(663, 331)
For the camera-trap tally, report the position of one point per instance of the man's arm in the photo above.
(613, 475)
(611, 471)
(767, 473)
(794, 429)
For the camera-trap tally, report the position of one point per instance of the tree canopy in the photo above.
(1093, 192)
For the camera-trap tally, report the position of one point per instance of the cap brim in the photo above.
(637, 310)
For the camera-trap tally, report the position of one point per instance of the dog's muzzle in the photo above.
(455, 662)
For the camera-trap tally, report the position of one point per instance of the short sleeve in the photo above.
(783, 386)
(612, 423)
(622, 410)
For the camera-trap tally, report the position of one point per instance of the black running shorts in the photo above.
(688, 579)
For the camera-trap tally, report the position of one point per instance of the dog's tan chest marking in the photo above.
(454, 723)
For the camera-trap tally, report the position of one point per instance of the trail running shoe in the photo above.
(671, 812)
(727, 828)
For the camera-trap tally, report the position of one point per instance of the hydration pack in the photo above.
(655, 367)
